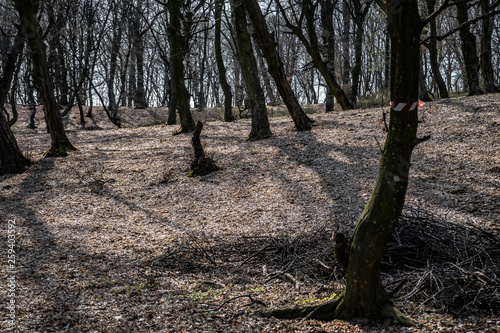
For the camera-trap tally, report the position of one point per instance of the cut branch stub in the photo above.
(201, 165)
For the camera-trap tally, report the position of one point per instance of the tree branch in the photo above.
(425, 42)
(438, 11)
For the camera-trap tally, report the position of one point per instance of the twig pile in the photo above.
(429, 262)
(305, 255)
(442, 265)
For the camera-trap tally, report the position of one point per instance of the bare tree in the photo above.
(267, 45)
(27, 10)
(260, 123)
(226, 88)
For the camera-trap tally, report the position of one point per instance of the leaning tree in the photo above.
(32, 30)
(364, 294)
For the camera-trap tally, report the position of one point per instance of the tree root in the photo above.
(59, 149)
(335, 309)
(184, 129)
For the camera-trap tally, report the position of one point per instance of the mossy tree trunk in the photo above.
(179, 38)
(260, 122)
(267, 44)
(364, 295)
(33, 31)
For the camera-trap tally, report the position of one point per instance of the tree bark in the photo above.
(179, 47)
(33, 32)
(138, 46)
(9, 67)
(12, 159)
(360, 12)
(260, 123)
(267, 45)
(327, 9)
(364, 295)
(469, 50)
(201, 164)
(346, 54)
(228, 96)
(433, 53)
(115, 48)
(486, 53)
(312, 48)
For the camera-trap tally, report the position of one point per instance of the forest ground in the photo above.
(117, 238)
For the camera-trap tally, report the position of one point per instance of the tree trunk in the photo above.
(312, 48)
(260, 123)
(228, 96)
(346, 54)
(364, 295)
(115, 48)
(138, 46)
(486, 59)
(9, 67)
(267, 45)
(327, 9)
(179, 45)
(12, 159)
(469, 50)
(423, 90)
(33, 32)
(433, 53)
(264, 73)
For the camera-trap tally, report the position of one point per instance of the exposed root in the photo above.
(59, 150)
(323, 311)
(184, 129)
(335, 309)
(397, 317)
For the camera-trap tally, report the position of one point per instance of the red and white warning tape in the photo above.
(406, 106)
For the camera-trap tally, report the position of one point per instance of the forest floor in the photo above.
(117, 238)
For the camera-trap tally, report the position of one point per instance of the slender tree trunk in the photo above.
(115, 48)
(356, 70)
(228, 96)
(327, 9)
(486, 52)
(260, 123)
(423, 90)
(346, 54)
(312, 48)
(33, 32)
(10, 66)
(271, 97)
(433, 53)
(275, 66)
(469, 50)
(202, 103)
(179, 44)
(138, 46)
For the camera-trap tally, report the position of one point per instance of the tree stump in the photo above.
(201, 165)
